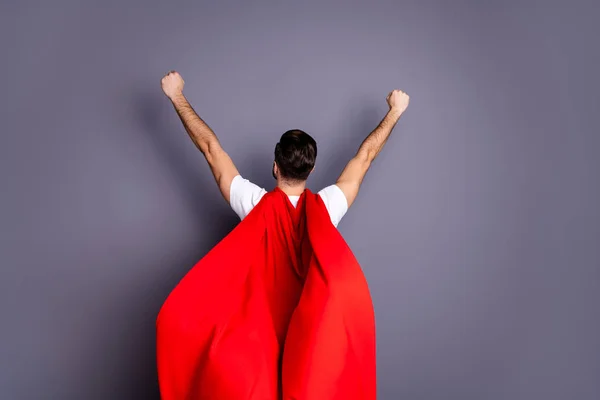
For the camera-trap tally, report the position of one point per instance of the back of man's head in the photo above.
(295, 155)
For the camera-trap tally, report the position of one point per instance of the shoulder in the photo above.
(244, 196)
(335, 202)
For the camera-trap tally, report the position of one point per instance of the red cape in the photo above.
(279, 309)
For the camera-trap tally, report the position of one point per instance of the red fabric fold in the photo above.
(279, 309)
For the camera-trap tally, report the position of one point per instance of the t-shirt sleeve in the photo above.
(335, 202)
(244, 195)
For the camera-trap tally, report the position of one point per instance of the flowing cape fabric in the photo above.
(279, 309)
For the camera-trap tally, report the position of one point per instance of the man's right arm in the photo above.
(354, 172)
(204, 138)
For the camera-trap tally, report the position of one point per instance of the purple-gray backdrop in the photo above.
(478, 227)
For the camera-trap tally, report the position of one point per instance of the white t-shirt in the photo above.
(244, 195)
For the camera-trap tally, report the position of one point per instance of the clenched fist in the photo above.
(398, 100)
(172, 84)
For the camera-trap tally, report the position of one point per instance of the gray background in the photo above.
(478, 227)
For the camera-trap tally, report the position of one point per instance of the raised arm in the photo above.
(203, 137)
(354, 172)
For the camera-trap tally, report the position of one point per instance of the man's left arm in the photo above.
(221, 165)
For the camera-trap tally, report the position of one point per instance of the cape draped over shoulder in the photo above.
(278, 310)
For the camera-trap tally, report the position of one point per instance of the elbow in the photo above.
(210, 147)
(366, 156)
(213, 146)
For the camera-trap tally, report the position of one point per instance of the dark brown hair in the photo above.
(295, 155)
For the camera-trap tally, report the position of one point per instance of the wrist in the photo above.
(395, 112)
(177, 97)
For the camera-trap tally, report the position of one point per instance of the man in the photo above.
(295, 156)
(279, 309)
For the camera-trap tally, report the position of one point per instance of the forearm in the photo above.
(201, 134)
(372, 145)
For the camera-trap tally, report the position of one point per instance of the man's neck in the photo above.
(294, 189)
